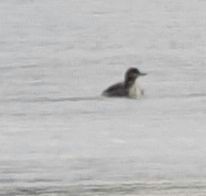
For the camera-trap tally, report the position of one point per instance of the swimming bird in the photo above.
(127, 88)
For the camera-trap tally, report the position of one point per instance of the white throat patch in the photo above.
(135, 91)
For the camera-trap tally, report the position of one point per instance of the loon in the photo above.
(128, 88)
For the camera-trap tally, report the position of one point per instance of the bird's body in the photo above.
(118, 90)
(128, 88)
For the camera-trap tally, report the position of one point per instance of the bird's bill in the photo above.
(143, 74)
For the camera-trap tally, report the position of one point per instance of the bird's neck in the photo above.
(129, 83)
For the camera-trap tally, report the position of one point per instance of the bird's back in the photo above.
(116, 90)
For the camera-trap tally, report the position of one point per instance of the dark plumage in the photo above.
(126, 88)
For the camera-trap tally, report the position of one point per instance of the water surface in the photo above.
(60, 137)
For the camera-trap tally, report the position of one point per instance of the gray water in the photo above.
(59, 137)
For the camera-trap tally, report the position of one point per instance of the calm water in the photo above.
(58, 136)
